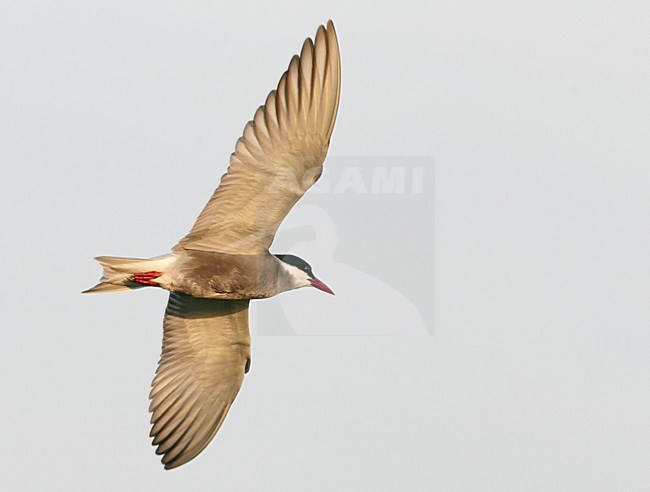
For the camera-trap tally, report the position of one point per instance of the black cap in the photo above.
(297, 262)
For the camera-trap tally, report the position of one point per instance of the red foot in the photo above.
(146, 278)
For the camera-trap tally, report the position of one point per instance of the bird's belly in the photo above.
(215, 288)
(213, 277)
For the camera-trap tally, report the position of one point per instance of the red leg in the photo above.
(146, 278)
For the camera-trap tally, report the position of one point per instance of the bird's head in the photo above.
(301, 274)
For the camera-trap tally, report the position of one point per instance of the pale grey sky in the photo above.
(116, 120)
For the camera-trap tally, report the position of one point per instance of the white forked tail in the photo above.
(119, 273)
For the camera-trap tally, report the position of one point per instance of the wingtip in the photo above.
(174, 463)
(329, 27)
(332, 31)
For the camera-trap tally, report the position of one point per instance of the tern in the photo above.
(224, 261)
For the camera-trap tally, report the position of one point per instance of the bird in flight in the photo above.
(224, 261)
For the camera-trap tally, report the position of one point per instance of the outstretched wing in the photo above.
(206, 351)
(278, 158)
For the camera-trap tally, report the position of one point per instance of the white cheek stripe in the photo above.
(300, 278)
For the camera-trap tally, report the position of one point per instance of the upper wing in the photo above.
(278, 158)
(206, 351)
